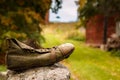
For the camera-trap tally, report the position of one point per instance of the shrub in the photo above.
(115, 53)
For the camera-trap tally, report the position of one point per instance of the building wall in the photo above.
(95, 29)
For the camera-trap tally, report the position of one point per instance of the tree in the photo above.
(57, 6)
(21, 18)
(89, 8)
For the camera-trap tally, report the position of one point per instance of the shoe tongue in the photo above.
(11, 44)
(22, 45)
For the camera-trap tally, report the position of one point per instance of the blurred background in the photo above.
(93, 26)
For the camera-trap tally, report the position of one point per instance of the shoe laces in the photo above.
(40, 51)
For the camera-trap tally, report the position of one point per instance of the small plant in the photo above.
(76, 35)
(115, 53)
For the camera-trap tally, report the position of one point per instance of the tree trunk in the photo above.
(105, 29)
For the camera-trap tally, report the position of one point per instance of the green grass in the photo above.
(2, 68)
(85, 63)
(94, 64)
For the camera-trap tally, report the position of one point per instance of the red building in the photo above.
(95, 29)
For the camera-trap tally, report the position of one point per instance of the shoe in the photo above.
(21, 56)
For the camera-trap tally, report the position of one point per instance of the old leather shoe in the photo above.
(21, 56)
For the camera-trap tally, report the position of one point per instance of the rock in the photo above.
(113, 43)
(54, 72)
(3, 75)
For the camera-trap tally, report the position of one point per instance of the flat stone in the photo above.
(3, 75)
(54, 72)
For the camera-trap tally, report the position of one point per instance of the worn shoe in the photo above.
(21, 56)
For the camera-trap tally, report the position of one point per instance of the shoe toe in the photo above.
(66, 49)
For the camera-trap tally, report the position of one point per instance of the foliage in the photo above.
(115, 53)
(21, 18)
(90, 8)
(57, 6)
